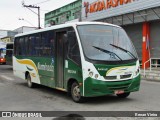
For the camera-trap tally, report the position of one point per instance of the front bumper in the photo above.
(93, 87)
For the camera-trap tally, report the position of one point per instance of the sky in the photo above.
(13, 15)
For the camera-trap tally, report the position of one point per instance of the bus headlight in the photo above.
(136, 72)
(96, 76)
(90, 74)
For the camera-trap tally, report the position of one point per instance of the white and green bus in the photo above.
(85, 59)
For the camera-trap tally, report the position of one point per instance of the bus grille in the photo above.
(125, 76)
(110, 77)
(119, 87)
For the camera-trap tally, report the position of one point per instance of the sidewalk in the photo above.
(151, 80)
(153, 75)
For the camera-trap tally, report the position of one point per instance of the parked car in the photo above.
(2, 60)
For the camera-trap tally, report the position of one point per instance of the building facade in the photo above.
(7, 35)
(7, 39)
(24, 29)
(66, 13)
(3, 33)
(140, 19)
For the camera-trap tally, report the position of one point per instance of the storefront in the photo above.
(140, 19)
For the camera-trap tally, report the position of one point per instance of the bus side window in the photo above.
(26, 45)
(16, 46)
(21, 47)
(73, 47)
(46, 43)
(51, 42)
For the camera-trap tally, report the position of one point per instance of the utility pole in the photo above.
(33, 6)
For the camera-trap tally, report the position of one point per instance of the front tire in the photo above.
(75, 93)
(124, 95)
(29, 82)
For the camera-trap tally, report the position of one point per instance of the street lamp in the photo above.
(26, 21)
(33, 6)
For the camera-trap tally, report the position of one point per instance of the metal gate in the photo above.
(135, 33)
(155, 39)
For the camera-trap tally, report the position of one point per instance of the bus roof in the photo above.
(63, 26)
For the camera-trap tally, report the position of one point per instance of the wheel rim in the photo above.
(76, 93)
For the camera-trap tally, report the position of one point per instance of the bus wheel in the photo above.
(29, 82)
(75, 93)
(124, 95)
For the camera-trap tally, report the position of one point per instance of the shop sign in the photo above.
(101, 5)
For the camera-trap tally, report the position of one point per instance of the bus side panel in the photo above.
(18, 69)
(21, 66)
(73, 71)
(45, 68)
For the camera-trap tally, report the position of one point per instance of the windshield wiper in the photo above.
(106, 51)
(124, 50)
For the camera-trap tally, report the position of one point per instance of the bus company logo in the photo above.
(45, 67)
(102, 69)
(103, 5)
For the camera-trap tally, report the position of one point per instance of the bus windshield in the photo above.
(106, 43)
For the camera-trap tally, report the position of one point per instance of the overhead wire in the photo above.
(42, 2)
(45, 10)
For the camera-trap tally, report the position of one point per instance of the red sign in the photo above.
(103, 5)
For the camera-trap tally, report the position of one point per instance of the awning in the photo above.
(145, 15)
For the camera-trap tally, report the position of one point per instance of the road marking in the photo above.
(8, 78)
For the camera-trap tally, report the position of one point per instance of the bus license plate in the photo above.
(119, 91)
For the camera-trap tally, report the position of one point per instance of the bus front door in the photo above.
(60, 59)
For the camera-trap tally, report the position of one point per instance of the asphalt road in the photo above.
(16, 96)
